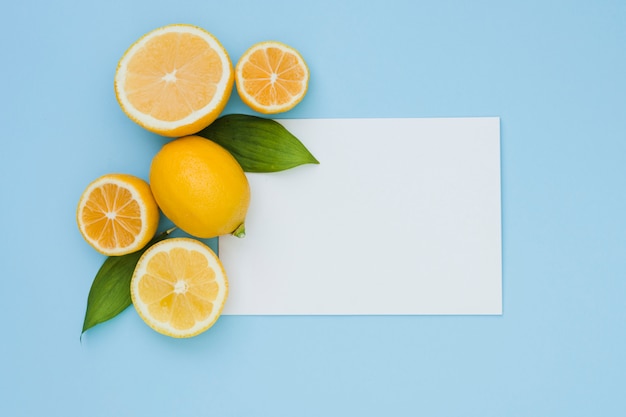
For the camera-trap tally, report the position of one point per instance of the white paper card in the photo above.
(402, 216)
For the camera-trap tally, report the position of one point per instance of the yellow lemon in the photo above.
(175, 80)
(179, 287)
(117, 214)
(200, 187)
(271, 77)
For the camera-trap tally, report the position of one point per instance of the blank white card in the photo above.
(401, 216)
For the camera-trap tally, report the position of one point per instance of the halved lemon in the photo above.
(179, 287)
(117, 214)
(271, 77)
(175, 80)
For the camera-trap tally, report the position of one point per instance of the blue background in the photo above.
(554, 71)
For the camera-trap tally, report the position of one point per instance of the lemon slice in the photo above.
(179, 287)
(175, 80)
(271, 77)
(117, 214)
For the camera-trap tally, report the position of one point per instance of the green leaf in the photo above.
(258, 144)
(110, 291)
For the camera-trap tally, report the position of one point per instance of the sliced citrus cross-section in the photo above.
(175, 80)
(179, 287)
(117, 214)
(271, 77)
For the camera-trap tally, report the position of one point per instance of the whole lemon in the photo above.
(200, 187)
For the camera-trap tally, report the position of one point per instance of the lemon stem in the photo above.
(240, 231)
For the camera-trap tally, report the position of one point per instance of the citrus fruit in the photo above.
(200, 187)
(175, 80)
(117, 214)
(271, 77)
(179, 287)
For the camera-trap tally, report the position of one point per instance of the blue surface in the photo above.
(554, 71)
